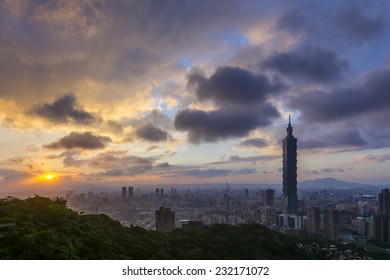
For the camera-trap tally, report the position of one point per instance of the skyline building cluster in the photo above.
(127, 194)
(293, 217)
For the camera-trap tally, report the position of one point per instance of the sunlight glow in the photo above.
(49, 176)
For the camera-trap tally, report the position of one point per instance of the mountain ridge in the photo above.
(330, 182)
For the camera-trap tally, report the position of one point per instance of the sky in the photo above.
(138, 92)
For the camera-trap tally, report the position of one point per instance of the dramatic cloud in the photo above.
(372, 96)
(292, 20)
(358, 26)
(309, 63)
(151, 133)
(76, 140)
(341, 137)
(63, 110)
(138, 73)
(223, 123)
(69, 158)
(118, 163)
(231, 85)
(254, 142)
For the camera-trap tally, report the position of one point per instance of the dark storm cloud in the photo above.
(76, 140)
(357, 25)
(309, 63)
(293, 21)
(337, 138)
(231, 85)
(372, 96)
(63, 110)
(151, 133)
(223, 123)
(254, 142)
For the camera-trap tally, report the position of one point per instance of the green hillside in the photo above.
(46, 229)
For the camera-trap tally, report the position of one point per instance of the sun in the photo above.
(49, 176)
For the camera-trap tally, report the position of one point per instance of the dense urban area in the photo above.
(345, 215)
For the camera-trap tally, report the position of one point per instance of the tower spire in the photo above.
(289, 127)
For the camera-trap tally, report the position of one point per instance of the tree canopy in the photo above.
(47, 229)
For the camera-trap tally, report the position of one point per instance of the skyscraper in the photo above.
(269, 197)
(313, 221)
(290, 200)
(130, 193)
(124, 194)
(384, 202)
(382, 219)
(331, 224)
(165, 219)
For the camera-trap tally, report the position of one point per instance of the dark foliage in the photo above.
(46, 229)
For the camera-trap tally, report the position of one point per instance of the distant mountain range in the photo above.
(326, 183)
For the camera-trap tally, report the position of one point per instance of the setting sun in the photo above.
(49, 176)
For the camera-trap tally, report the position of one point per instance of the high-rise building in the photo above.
(290, 200)
(384, 202)
(157, 193)
(124, 194)
(165, 219)
(331, 224)
(313, 221)
(382, 219)
(130, 193)
(382, 228)
(269, 197)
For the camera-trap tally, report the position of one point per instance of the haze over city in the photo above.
(118, 93)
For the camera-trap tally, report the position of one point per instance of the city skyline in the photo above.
(191, 92)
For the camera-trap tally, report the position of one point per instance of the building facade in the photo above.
(269, 197)
(165, 219)
(331, 224)
(382, 219)
(384, 202)
(124, 194)
(314, 221)
(290, 199)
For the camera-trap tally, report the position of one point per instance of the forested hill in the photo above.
(46, 229)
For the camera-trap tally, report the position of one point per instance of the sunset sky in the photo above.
(131, 92)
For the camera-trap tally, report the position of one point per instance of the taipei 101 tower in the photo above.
(290, 200)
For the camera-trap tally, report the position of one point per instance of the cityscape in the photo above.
(349, 215)
(140, 129)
